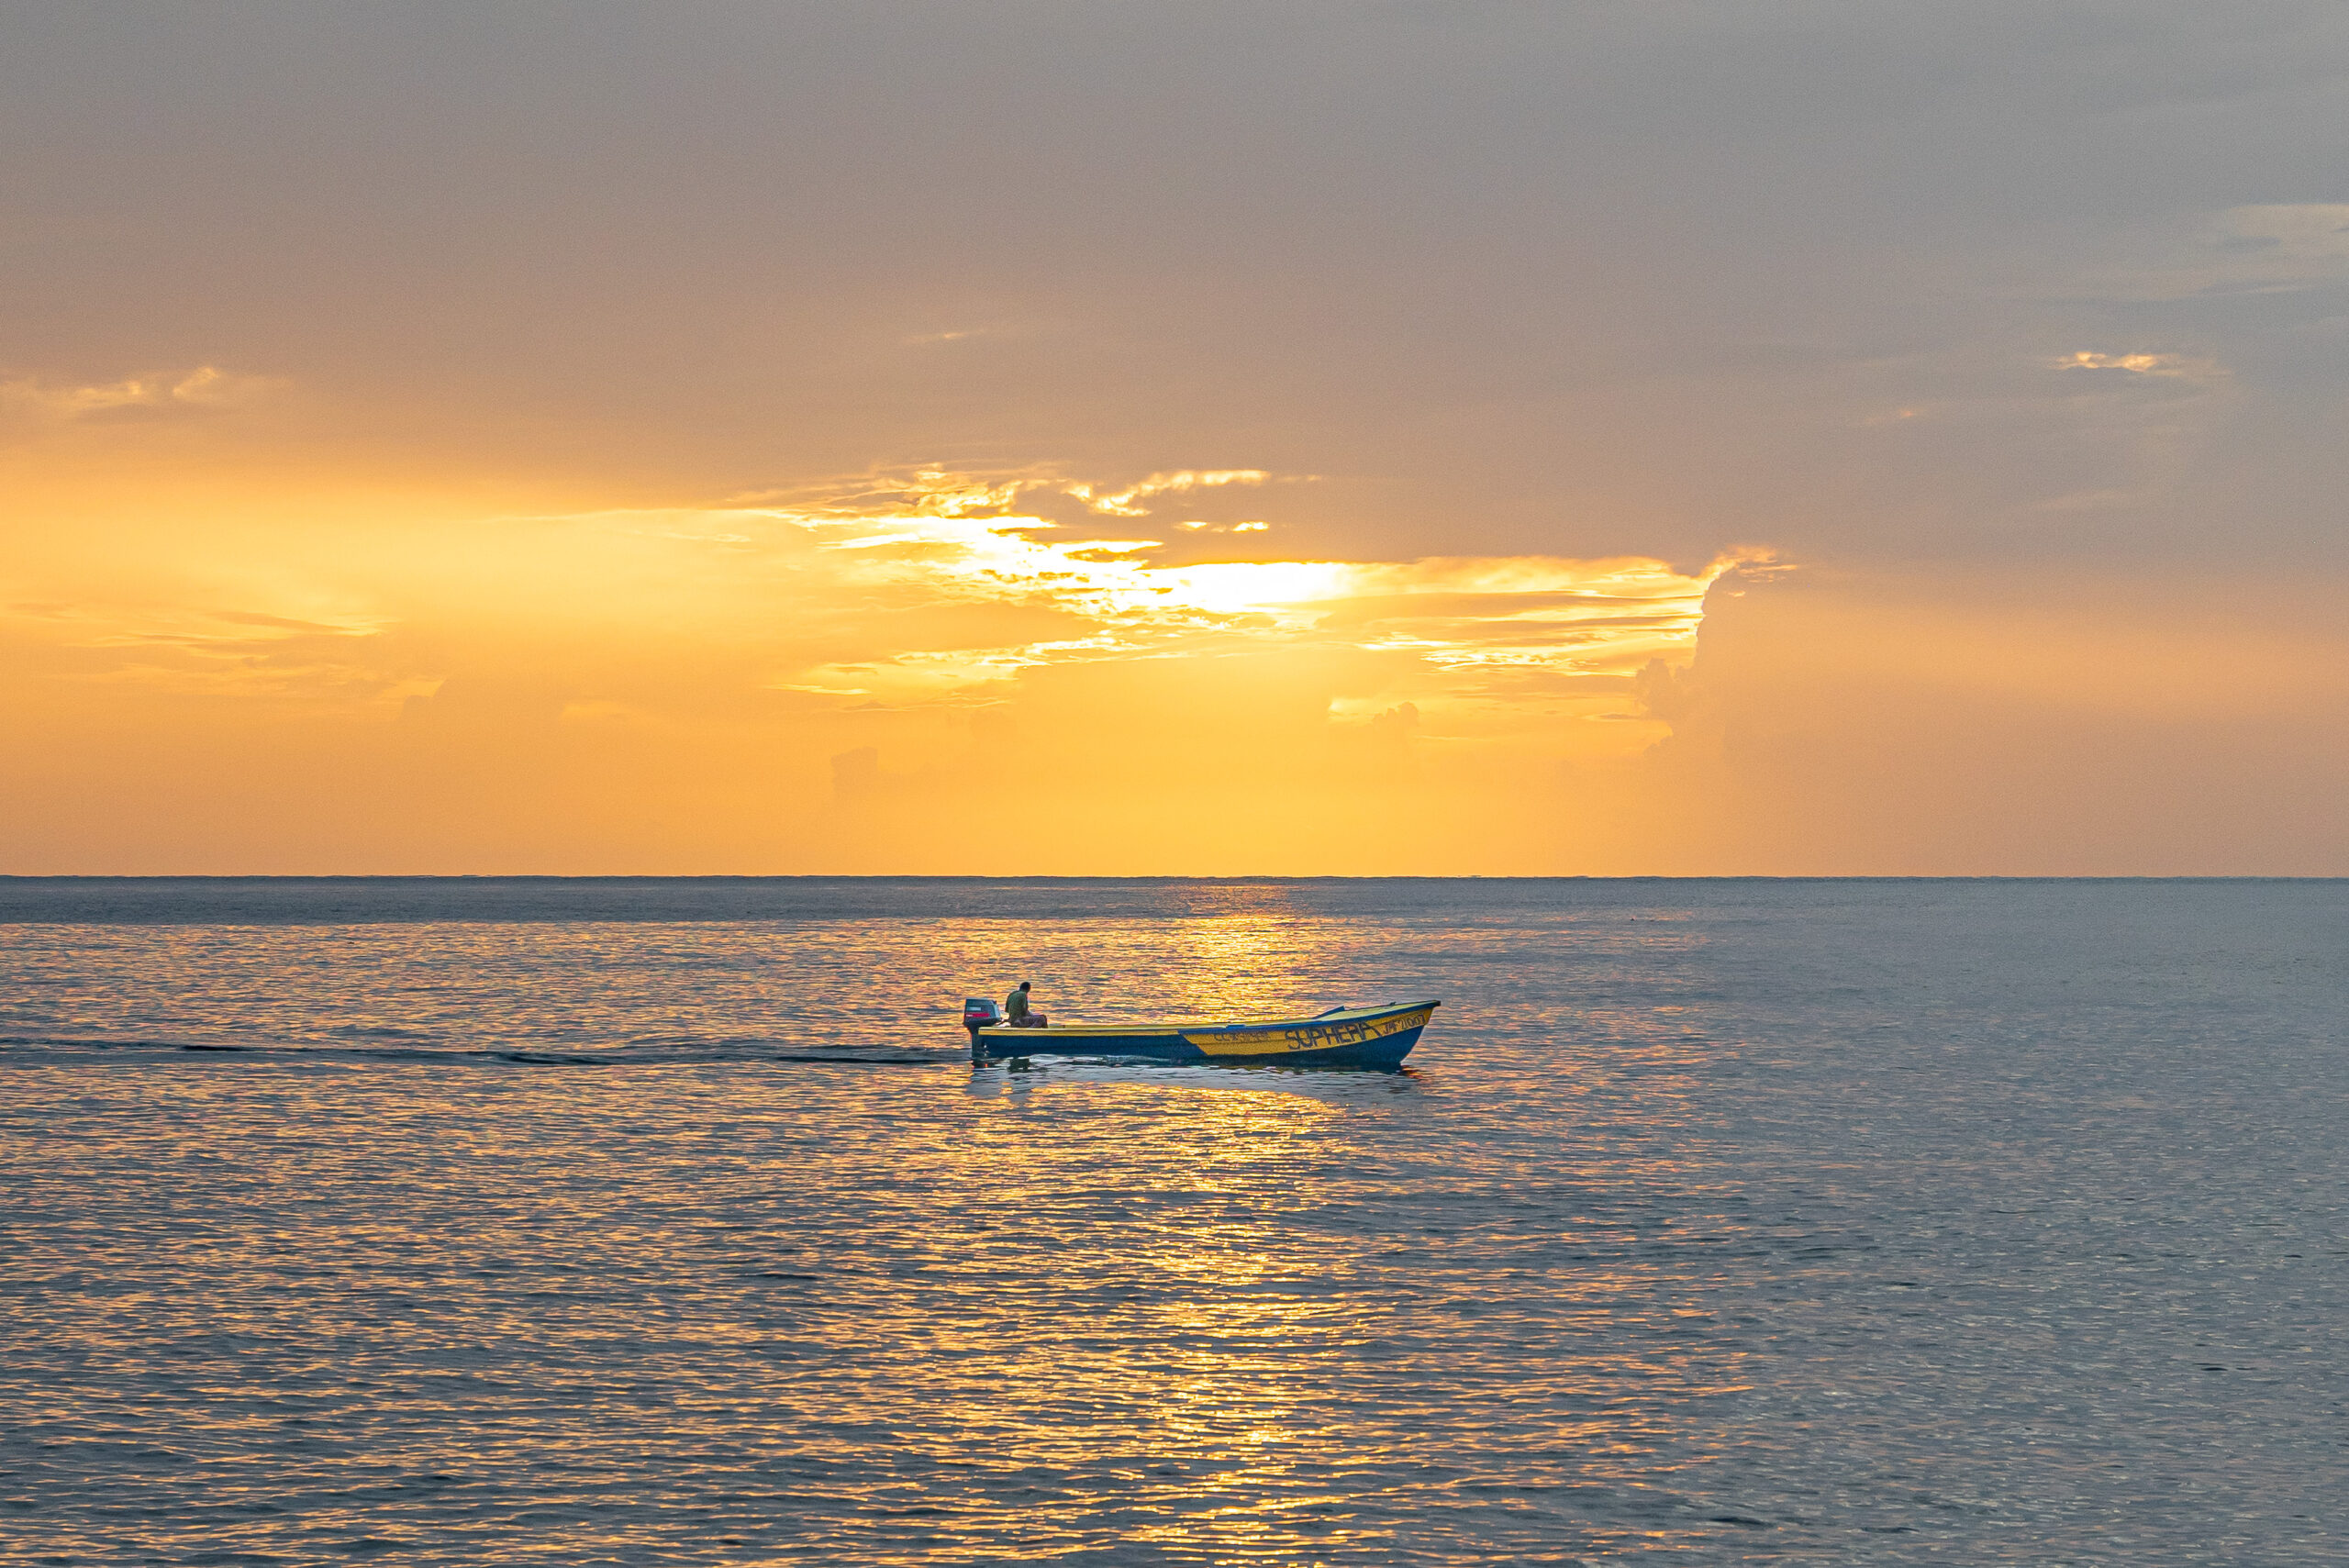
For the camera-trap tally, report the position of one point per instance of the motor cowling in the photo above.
(978, 1012)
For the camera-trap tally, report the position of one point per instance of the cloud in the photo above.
(2136, 365)
(882, 673)
(1095, 600)
(902, 617)
(867, 683)
(936, 490)
(1125, 502)
(2270, 248)
(2281, 246)
(207, 388)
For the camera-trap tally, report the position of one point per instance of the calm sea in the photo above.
(667, 1222)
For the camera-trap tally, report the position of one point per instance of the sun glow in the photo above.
(936, 591)
(904, 654)
(1539, 613)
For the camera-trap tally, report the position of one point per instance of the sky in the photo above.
(1508, 438)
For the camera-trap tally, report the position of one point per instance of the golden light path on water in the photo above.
(1852, 1222)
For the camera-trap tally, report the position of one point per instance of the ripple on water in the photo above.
(1816, 1221)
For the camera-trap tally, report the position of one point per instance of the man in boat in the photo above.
(1015, 1010)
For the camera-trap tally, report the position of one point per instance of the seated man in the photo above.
(1016, 1013)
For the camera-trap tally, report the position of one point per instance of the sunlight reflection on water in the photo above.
(1863, 1224)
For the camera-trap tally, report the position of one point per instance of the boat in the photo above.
(1342, 1037)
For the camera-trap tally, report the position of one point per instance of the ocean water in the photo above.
(668, 1222)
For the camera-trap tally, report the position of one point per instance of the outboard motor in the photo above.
(978, 1012)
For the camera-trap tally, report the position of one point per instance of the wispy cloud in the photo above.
(938, 491)
(2140, 365)
(2179, 367)
(206, 387)
(1455, 621)
(1126, 503)
(923, 592)
(2270, 248)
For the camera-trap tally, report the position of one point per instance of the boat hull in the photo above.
(1367, 1037)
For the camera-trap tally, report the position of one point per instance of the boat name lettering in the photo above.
(1318, 1037)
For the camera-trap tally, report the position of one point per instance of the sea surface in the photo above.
(581, 1222)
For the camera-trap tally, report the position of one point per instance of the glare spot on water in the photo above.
(1837, 1222)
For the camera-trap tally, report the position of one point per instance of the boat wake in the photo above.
(28, 1050)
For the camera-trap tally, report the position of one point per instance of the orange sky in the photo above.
(1219, 440)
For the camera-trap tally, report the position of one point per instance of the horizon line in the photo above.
(1161, 876)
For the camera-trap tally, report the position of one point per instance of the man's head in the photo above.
(1023, 985)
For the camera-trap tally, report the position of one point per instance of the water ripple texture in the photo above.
(668, 1222)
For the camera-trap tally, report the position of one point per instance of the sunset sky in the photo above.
(1312, 437)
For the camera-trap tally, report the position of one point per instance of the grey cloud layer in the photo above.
(1574, 278)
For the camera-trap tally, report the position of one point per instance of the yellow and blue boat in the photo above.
(1342, 1037)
